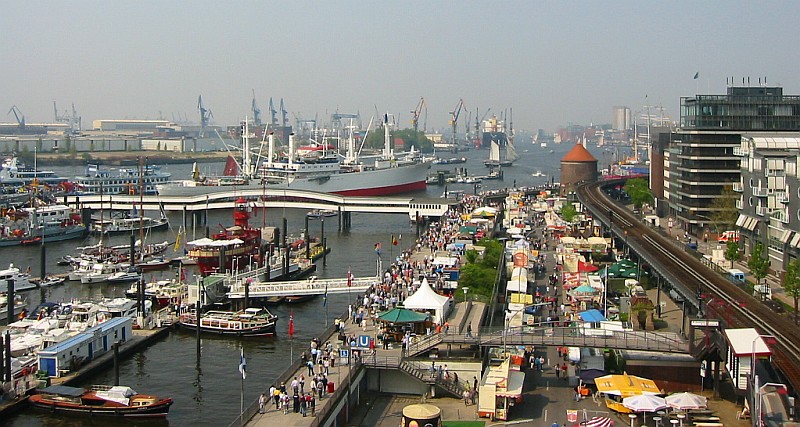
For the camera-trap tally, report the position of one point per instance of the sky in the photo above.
(554, 63)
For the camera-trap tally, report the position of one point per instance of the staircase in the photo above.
(422, 373)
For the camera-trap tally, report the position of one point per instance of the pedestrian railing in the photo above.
(424, 343)
(418, 369)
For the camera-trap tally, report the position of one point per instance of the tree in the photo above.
(758, 263)
(568, 212)
(643, 308)
(639, 191)
(791, 283)
(732, 253)
(723, 210)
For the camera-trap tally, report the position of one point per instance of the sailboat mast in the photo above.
(141, 207)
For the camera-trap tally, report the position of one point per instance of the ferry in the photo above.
(122, 181)
(31, 225)
(103, 400)
(250, 322)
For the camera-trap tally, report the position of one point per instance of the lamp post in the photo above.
(466, 289)
(627, 249)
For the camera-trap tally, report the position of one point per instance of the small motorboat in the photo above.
(124, 277)
(101, 400)
(158, 263)
(51, 280)
(67, 260)
(322, 213)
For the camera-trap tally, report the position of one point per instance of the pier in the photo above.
(311, 286)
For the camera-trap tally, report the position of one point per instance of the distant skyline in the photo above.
(553, 63)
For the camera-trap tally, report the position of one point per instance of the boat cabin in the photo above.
(67, 355)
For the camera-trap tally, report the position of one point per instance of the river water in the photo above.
(208, 392)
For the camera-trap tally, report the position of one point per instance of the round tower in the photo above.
(576, 167)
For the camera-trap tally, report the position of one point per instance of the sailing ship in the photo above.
(325, 171)
(501, 145)
(100, 400)
(238, 246)
(129, 224)
(250, 322)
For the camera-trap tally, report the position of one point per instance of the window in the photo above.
(750, 202)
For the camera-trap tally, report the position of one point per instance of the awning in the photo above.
(740, 221)
(795, 240)
(750, 223)
(514, 389)
(785, 236)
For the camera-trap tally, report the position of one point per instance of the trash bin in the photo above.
(330, 387)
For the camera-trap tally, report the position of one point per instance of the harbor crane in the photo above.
(273, 114)
(415, 115)
(19, 116)
(256, 110)
(284, 122)
(205, 115)
(336, 119)
(454, 118)
(73, 120)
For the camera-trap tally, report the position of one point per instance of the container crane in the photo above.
(19, 116)
(454, 119)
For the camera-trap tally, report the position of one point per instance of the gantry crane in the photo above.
(273, 114)
(454, 119)
(284, 122)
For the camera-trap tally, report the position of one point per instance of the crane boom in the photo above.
(454, 119)
(18, 115)
(416, 112)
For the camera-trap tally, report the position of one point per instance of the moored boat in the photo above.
(249, 322)
(31, 225)
(111, 401)
(21, 279)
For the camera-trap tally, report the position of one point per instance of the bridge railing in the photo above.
(305, 286)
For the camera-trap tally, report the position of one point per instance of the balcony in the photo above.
(737, 187)
(762, 211)
(738, 151)
(781, 197)
(739, 205)
(760, 192)
(781, 216)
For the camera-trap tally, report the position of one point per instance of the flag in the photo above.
(325, 297)
(394, 240)
(349, 278)
(178, 240)
(696, 75)
(243, 364)
(291, 324)
(378, 248)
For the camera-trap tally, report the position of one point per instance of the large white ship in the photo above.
(317, 169)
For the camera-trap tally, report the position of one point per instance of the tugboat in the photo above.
(240, 245)
(101, 400)
(250, 322)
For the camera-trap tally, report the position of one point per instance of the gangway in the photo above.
(312, 286)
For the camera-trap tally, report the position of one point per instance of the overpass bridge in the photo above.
(551, 335)
(414, 207)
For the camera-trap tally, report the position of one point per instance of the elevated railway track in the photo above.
(701, 285)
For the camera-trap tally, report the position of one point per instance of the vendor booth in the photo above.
(500, 390)
(425, 298)
(397, 321)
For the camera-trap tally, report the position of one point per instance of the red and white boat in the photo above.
(107, 401)
(239, 245)
(317, 168)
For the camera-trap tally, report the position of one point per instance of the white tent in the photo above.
(426, 299)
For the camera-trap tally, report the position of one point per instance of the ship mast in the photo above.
(387, 148)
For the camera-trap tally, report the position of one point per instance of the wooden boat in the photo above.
(101, 400)
(294, 299)
(250, 322)
(51, 280)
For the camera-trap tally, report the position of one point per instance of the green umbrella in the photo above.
(402, 315)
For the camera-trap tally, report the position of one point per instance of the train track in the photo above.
(729, 302)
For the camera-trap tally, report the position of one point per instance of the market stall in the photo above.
(500, 390)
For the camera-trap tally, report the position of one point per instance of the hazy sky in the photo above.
(554, 63)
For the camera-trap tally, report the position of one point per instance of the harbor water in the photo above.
(208, 391)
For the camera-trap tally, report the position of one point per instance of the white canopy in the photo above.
(209, 242)
(426, 299)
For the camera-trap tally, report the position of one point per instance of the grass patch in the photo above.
(463, 423)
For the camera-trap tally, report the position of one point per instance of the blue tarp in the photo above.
(592, 316)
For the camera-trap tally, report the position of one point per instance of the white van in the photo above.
(735, 275)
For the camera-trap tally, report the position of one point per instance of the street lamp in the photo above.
(466, 289)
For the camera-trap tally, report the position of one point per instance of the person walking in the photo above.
(466, 397)
(564, 371)
(312, 404)
(303, 405)
(558, 371)
(469, 330)
(296, 403)
(276, 396)
(262, 403)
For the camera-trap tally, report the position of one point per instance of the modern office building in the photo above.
(740, 141)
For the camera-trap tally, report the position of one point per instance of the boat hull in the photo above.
(157, 410)
(378, 182)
